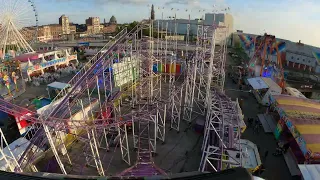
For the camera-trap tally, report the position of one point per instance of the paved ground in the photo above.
(276, 167)
(34, 91)
(181, 152)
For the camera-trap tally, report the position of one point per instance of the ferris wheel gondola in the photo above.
(18, 27)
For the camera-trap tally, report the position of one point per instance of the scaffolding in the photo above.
(222, 127)
(132, 82)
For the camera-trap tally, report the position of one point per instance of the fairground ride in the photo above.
(262, 63)
(18, 27)
(147, 90)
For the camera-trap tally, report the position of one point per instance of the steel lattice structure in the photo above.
(98, 108)
(222, 127)
(18, 26)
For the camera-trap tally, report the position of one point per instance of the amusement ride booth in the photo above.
(299, 121)
(263, 87)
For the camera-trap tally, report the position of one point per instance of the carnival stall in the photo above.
(299, 117)
(55, 87)
(250, 155)
(262, 88)
(41, 64)
(293, 92)
(14, 151)
(310, 171)
(10, 78)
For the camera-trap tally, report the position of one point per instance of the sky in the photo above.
(287, 19)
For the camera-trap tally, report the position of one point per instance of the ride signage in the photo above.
(52, 62)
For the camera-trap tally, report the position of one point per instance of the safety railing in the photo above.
(84, 72)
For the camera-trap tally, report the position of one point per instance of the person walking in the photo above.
(265, 156)
(250, 122)
(256, 128)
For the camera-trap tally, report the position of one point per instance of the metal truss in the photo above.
(161, 122)
(196, 75)
(219, 60)
(175, 105)
(222, 133)
(8, 156)
(222, 127)
(99, 107)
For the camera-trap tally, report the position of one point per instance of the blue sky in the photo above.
(288, 19)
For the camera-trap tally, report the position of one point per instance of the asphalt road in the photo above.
(276, 168)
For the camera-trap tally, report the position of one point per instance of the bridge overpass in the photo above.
(101, 43)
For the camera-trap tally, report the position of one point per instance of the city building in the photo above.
(56, 31)
(110, 27)
(220, 19)
(29, 33)
(44, 34)
(65, 24)
(93, 25)
(113, 20)
(73, 28)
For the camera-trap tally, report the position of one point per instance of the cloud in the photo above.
(297, 22)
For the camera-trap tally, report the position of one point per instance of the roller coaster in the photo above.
(155, 91)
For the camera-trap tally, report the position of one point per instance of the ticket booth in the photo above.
(55, 88)
(262, 88)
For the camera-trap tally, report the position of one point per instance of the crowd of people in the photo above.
(9, 79)
(51, 76)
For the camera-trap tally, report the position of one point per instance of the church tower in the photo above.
(152, 12)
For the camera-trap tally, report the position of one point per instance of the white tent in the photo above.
(17, 148)
(310, 171)
(258, 83)
(263, 88)
(58, 85)
(29, 63)
(43, 60)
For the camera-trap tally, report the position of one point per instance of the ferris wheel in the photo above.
(18, 27)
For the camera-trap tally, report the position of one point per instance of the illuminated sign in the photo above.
(23, 123)
(51, 63)
(299, 139)
(125, 71)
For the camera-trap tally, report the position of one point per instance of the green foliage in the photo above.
(237, 44)
(146, 32)
(132, 25)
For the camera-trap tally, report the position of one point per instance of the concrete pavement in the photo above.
(276, 168)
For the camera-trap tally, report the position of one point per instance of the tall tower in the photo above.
(64, 23)
(152, 12)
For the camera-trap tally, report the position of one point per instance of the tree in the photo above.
(132, 25)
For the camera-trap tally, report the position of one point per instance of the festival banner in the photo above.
(299, 139)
